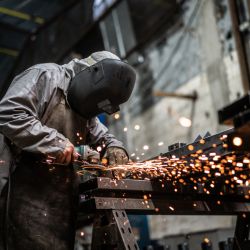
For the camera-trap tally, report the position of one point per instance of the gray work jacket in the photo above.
(35, 115)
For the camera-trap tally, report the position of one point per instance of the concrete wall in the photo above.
(160, 123)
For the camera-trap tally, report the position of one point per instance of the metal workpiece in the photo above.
(207, 144)
(237, 114)
(151, 197)
(146, 189)
(127, 185)
(217, 190)
(111, 199)
(165, 207)
(227, 114)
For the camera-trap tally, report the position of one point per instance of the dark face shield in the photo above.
(107, 107)
(101, 88)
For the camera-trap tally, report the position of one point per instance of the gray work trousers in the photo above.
(41, 207)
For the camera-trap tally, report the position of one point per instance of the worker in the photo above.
(47, 111)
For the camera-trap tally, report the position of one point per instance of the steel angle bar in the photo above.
(127, 185)
(160, 206)
(128, 188)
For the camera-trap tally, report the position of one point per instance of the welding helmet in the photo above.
(102, 87)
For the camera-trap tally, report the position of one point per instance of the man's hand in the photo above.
(116, 156)
(68, 155)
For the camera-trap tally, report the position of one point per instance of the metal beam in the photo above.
(21, 15)
(9, 52)
(112, 230)
(192, 97)
(242, 231)
(14, 28)
(27, 43)
(242, 55)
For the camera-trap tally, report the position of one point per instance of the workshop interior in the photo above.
(184, 122)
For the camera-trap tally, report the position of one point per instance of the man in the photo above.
(48, 110)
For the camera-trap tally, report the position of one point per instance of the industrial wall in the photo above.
(199, 58)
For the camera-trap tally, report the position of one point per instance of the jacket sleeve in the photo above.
(21, 109)
(98, 135)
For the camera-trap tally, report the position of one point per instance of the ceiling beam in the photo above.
(21, 15)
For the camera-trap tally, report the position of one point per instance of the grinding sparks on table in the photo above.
(204, 173)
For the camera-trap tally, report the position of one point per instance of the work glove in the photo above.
(68, 155)
(116, 156)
